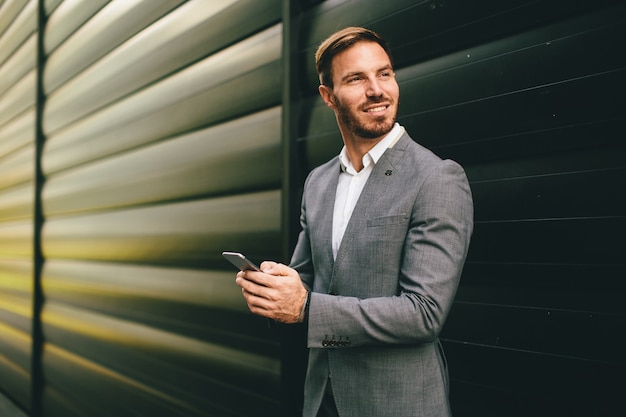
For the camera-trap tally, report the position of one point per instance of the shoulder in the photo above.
(424, 160)
(321, 176)
(327, 169)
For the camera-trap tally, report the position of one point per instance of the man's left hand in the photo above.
(276, 293)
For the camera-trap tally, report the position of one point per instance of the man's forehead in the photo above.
(360, 57)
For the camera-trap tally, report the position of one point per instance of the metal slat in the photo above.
(132, 349)
(17, 168)
(17, 98)
(202, 304)
(174, 42)
(20, 24)
(9, 10)
(17, 134)
(73, 281)
(190, 95)
(199, 163)
(194, 232)
(15, 363)
(157, 372)
(15, 326)
(16, 240)
(68, 17)
(15, 304)
(17, 203)
(113, 25)
(19, 65)
(87, 382)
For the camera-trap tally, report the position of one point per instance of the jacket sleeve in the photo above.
(301, 259)
(434, 251)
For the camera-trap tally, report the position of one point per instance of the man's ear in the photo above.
(327, 95)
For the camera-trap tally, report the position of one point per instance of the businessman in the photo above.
(386, 227)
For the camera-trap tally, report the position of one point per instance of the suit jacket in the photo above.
(376, 311)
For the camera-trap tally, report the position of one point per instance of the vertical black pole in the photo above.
(293, 347)
(290, 217)
(37, 379)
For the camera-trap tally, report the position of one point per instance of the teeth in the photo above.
(375, 109)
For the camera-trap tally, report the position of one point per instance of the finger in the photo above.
(254, 288)
(257, 304)
(279, 269)
(245, 278)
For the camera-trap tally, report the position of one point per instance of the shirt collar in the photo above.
(377, 151)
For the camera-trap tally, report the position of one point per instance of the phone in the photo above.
(240, 261)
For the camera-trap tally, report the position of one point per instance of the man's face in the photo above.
(365, 92)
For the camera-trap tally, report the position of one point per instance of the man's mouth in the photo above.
(376, 109)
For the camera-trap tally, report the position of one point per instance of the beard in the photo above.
(359, 126)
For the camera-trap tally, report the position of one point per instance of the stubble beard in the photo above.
(373, 129)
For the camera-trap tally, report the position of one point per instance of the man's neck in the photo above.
(357, 147)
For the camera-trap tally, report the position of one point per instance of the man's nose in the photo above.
(373, 88)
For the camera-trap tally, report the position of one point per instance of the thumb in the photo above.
(275, 268)
(269, 267)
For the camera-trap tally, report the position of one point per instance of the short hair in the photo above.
(339, 42)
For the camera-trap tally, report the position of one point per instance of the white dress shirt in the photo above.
(351, 183)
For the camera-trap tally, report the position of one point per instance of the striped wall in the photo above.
(530, 97)
(160, 123)
(140, 139)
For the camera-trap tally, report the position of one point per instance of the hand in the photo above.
(276, 293)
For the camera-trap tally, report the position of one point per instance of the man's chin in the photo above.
(374, 132)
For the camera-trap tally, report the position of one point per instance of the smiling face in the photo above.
(365, 93)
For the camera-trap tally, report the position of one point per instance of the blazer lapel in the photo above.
(381, 179)
(326, 204)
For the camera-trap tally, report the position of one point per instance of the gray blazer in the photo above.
(377, 310)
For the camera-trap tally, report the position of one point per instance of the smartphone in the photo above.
(240, 261)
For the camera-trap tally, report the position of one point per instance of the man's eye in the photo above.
(354, 79)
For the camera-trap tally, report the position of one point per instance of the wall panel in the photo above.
(19, 21)
(121, 61)
(245, 71)
(151, 111)
(18, 66)
(192, 232)
(17, 133)
(66, 17)
(115, 24)
(529, 97)
(17, 100)
(199, 163)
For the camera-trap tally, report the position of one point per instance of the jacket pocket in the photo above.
(387, 220)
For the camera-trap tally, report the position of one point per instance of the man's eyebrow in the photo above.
(355, 73)
(351, 74)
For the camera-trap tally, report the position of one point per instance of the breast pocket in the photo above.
(399, 219)
(388, 228)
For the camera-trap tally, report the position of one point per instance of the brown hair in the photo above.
(339, 42)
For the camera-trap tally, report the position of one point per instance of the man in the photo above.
(385, 231)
